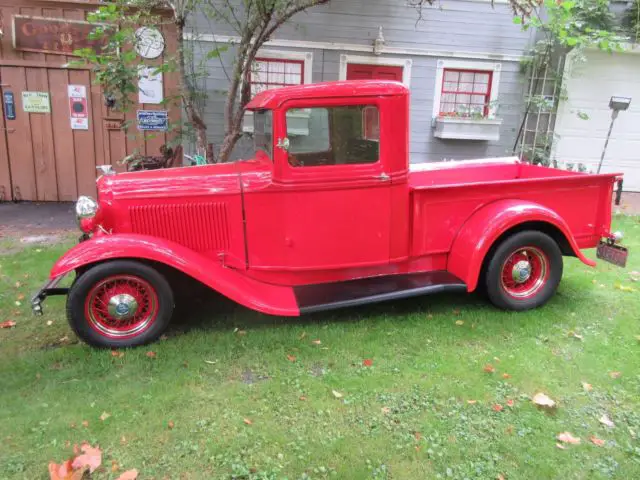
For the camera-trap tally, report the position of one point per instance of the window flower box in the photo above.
(467, 128)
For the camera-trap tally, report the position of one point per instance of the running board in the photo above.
(330, 296)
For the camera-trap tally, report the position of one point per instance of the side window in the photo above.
(333, 135)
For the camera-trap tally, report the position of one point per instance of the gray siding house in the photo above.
(461, 62)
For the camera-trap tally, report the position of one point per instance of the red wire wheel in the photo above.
(121, 306)
(525, 272)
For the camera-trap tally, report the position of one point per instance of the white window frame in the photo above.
(493, 67)
(405, 63)
(307, 73)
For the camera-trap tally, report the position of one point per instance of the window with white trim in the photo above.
(465, 93)
(268, 73)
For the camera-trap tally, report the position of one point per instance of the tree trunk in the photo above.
(186, 93)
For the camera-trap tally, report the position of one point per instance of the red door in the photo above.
(357, 71)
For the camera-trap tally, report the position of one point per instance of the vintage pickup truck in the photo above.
(328, 213)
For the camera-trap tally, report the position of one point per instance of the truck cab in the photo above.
(328, 213)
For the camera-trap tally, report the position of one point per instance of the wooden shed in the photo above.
(55, 127)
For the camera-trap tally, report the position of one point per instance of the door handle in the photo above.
(383, 177)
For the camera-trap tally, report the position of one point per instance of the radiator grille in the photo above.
(199, 226)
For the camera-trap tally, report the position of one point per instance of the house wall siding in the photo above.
(458, 28)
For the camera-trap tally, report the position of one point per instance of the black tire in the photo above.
(94, 327)
(544, 258)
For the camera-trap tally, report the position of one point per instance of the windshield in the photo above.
(263, 131)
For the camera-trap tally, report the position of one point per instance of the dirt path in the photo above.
(36, 223)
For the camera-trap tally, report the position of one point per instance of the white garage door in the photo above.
(588, 86)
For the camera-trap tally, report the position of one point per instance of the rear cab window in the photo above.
(340, 135)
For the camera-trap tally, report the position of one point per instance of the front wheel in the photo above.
(524, 271)
(121, 303)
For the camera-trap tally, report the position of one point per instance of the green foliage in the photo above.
(631, 20)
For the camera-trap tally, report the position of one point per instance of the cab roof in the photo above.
(270, 99)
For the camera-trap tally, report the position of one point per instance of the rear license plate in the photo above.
(612, 253)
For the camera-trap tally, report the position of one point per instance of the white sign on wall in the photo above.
(78, 112)
(149, 85)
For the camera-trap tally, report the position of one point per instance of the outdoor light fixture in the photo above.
(616, 104)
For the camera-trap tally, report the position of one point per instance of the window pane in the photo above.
(482, 78)
(466, 87)
(450, 76)
(480, 87)
(466, 77)
(262, 131)
(275, 73)
(333, 136)
(450, 87)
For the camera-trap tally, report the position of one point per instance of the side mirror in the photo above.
(283, 143)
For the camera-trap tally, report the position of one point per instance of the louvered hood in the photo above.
(197, 207)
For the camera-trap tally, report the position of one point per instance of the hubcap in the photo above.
(525, 272)
(521, 271)
(123, 306)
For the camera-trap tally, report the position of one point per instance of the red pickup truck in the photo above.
(327, 214)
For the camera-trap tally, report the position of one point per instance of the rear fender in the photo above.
(266, 298)
(485, 226)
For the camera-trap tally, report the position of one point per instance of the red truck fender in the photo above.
(486, 225)
(266, 298)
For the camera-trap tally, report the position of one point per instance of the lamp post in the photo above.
(616, 104)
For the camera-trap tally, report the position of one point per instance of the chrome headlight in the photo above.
(86, 207)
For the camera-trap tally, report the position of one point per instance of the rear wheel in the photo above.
(524, 271)
(120, 304)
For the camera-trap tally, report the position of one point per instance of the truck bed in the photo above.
(446, 194)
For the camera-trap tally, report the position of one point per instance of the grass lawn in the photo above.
(234, 394)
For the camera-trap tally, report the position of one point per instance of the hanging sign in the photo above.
(55, 35)
(149, 85)
(36, 102)
(9, 106)
(153, 120)
(78, 107)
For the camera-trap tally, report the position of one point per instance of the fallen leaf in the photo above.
(638, 337)
(129, 475)
(615, 374)
(49, 323)
(459, 322)
(624, 288)
(17, 303)
(575, 335)
(456, 312)
(247, 421)
(104, 416)
(116, 353)
(542, 400)
(170, 425)
(385, 410)
(291, 358)
(506, 375)
(566, 437)
(303, 398)
(500, 477)
(8, 324)
(367, 362)
(91, 457)
(304, 334)
(497, 407)
(316, 342)
(211, 362)
(587, 387)
(606, 421)
(417, 436)
(510, 403)
(114, 466)
(21, 296)
(596, 441)
(336, 394)
(123, 440)
(242, 332)
(151, 354)
(560, 446)
(18, 284)
(85, 423)
(472, 402)
(489, 368)
(60, 472)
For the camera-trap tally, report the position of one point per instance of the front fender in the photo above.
(485, 226)
(266, 298)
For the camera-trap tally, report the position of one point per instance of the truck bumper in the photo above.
(48, 289)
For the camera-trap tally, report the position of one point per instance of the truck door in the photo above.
(329, 203)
